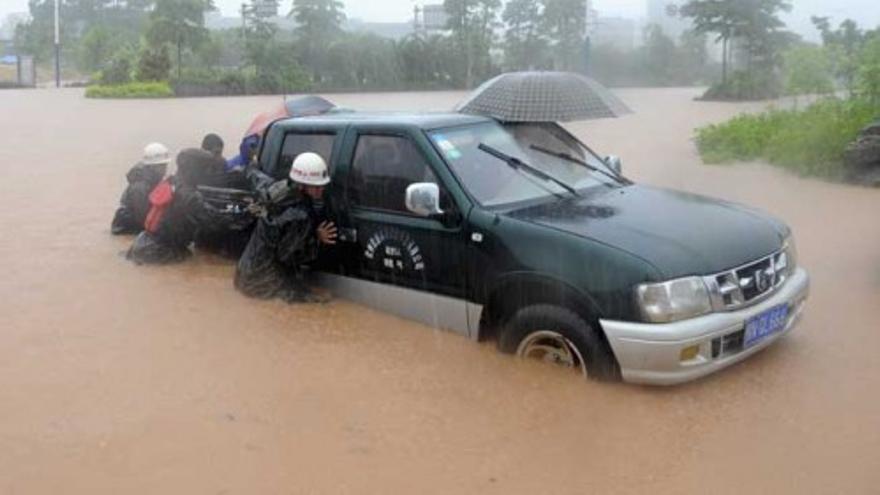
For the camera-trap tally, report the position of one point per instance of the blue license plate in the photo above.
(765, 324)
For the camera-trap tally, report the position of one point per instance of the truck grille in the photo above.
(748, 284)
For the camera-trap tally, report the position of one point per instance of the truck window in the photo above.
(382, 168)
(299, 142)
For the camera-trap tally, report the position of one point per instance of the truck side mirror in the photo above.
(614, 163)
(423, 199)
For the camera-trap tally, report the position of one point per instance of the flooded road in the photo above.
(123, 379)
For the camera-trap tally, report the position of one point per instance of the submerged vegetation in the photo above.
(844, 73)
(810, 141)
(752, 36)
(131, 90)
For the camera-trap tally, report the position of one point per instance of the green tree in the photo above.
(693, 64)
(565, 23)
(755, 23)
(755, 29)
(259, 38)
(427, 61)
(807, 70)
(660, 57)
(36, 36)
(525, 46)
(473, 23)
(375, 62)
(359, 61)
(180, 23)
(89, 22)
(119, 69)
(615, 67)
(96, 47)
(869, 70)
(844, 46)
(319, 23)
(154, 63)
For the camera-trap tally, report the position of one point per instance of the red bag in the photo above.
(160, 198)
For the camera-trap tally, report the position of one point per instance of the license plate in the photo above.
(765, 324)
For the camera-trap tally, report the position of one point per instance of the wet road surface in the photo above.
(123, 379)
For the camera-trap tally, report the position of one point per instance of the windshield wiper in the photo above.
(518, 164)
(567, 157)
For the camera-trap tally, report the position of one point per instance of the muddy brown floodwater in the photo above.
(123, 379)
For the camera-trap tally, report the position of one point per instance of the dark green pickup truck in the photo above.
(522, 234)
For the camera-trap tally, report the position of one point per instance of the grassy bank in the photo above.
(131, 90)
(809, 141)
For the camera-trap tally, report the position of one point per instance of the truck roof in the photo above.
(425, 121)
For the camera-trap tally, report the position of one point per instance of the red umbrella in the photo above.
(297, 107)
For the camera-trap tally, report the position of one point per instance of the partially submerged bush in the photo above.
(809, 142)
(118, 70)
(744, 86)
(227, 82)
(154, 63)
(744, 137)
(131, 90)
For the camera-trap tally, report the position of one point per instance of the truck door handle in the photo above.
(347, 234)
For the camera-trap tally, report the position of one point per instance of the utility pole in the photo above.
(57, 46)
(417, 26)
(244, 20)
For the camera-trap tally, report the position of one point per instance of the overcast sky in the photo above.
(866, 12)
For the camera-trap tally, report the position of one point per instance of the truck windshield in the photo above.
(491, 181)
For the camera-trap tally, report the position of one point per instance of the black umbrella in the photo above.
(543, 97)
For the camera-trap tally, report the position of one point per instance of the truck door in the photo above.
(383, 241)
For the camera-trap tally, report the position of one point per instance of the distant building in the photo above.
(266, 9)
(433, 18)
(614, 31)
(664, 13)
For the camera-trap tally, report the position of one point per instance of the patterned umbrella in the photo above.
(302, 106)
(543, 97)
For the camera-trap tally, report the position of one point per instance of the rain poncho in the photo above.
(177, 210)
(283, 240)
(135, 203)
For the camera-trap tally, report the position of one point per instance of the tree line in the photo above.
(119, 40)
(160, 40)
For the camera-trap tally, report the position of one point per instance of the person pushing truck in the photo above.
(288, 233)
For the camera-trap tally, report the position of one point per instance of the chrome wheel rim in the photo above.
(551, 347)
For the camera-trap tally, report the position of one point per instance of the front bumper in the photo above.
(652, 353)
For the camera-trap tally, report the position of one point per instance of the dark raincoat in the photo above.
(169, 240)
(282, 242)
(134, 203)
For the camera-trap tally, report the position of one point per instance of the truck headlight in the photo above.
(786, 263)
(674, 300)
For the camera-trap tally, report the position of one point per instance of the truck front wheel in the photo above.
(560, 336)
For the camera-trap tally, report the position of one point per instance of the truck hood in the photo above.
(680, 234)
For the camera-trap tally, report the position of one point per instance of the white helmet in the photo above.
(156, 154)
(309, 169)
